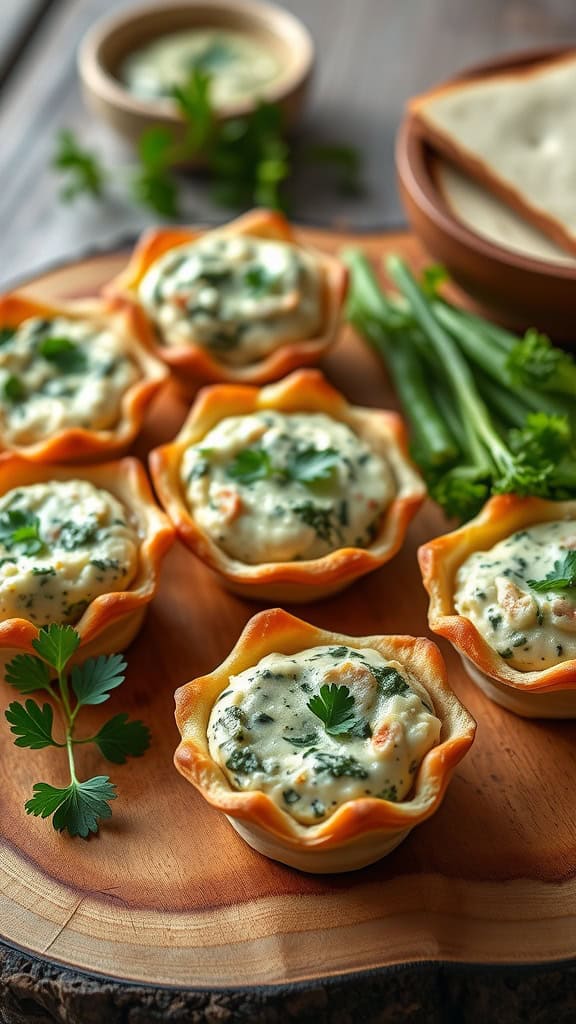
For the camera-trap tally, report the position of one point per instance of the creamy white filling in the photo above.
(530, 629)
(239, 66)
(239, 297)
(276, 487)
(62, 544)
(265, 737)
(61, 373)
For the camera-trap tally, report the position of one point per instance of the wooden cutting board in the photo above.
(167, 894)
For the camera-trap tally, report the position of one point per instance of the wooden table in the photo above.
(373, 54)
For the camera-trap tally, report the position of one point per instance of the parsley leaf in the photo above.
(32, 724)
(334, 707)
(78, 808)
(93, 681)
(21, 529)
(84, 171)
(56, 644)
(249, 465)
(313, 465)
(63, 353)
(153, 185)
(193, 101)
(561, 577)
(27, 674)
(119, 739)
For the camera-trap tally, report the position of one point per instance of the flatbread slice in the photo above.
(515, 132)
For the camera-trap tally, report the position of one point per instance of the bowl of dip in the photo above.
(130, 63)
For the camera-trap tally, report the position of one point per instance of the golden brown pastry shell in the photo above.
(110, 621)
(541, 693)
(361, 830)
(302, 391)
(80, 444)
(193, 364)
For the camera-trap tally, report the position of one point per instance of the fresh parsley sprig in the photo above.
(310, 466)
(334, 706)
(561, 577)
(248, 159)
(79, 807)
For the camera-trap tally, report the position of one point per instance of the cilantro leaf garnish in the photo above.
(249, 158)
(119, 739)
(78, 809)
(334, 707)
(81, 805)
(20, 529)
(561, 577)
(63, 353)
(249, 465)
(83, 169)
(313, 465)
(28, 674)
(152, 184)
(93, 681)
(307, 466)
(32, 724)
(56, 644)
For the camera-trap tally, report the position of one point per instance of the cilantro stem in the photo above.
(70, 752)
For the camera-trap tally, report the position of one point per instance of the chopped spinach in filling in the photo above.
(321, 727)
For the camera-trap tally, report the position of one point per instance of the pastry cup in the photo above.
(361, 830)
(302, 391)
(80, 444)
(112, 620)
(547, 693)
(193, 364)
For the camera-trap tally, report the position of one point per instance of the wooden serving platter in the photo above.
(168, 895)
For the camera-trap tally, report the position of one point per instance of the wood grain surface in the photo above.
(168, 893)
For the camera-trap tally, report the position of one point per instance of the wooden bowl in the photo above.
(110, 40)
(517, 289)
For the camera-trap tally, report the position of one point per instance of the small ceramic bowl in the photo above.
(518, 290)
(361, 830)
(548, 693)
(306, 580)
(111, 620)
(81, 443)
(109, 41)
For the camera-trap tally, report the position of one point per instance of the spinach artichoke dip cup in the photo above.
(75, 379)
(503, 591)
(323, 750)
(244, 302)
(78, 545)
(287, 492)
